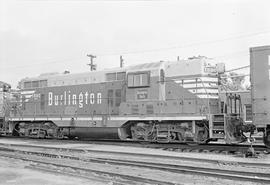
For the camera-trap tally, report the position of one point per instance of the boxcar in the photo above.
(260, 89)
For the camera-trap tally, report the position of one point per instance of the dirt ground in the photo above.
(17, 172)
(13, 172)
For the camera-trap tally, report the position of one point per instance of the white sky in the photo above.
(52, 36)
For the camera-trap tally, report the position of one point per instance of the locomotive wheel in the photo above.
(202, 137)
(266, 138)
(142, 132)
(16, 130)
(41, 134)
(180, 137)
(139, 133)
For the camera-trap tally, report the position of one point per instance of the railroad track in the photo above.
(130, 154)
(256, 177)
(178, 147)
(82, 172)
(155, 156)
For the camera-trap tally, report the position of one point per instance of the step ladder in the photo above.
(216, 126)
(163, 135)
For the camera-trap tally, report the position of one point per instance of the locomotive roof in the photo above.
(145, 66)
(172, 68)
(97, 76)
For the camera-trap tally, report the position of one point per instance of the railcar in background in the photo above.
(5, 95)
(260, 89)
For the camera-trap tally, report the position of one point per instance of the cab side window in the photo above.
(140, 79)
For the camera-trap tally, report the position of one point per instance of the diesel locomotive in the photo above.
(176, 101)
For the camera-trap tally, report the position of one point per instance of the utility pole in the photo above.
(93, 66)
(121, 61)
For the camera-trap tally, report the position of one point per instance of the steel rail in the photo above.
(156, 156)
(213, 172)
(217, 147)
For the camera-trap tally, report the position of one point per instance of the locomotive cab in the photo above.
(171, 101)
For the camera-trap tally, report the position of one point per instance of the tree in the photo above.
(234, 82)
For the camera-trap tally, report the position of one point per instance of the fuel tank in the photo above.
(93, 132)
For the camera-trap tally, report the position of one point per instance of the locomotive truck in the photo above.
(161, 102)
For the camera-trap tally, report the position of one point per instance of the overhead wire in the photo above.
(235, 69)
(149, 50)
(185, 45)
(234, 76)
(43, 63)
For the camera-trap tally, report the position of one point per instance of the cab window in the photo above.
(141, 79)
